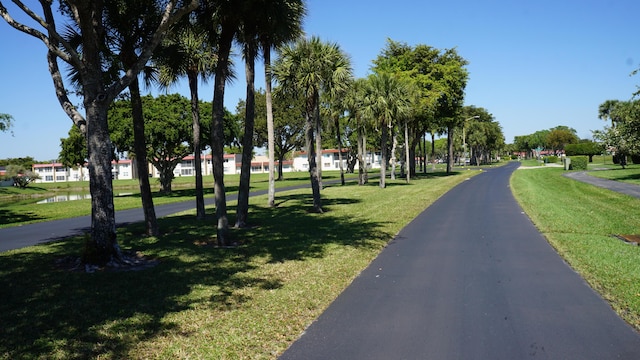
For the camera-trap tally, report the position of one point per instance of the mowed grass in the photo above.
(579, 220)
(199, 301)
(630, 174)
(19, 206)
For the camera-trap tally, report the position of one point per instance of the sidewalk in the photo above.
(621, 187)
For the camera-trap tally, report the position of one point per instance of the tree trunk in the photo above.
(433, 151)
(318, 134)
(449, 149)
(337, 125)
(311, 153)
(217, 136)
(383, 156)
(242, 209)
(410, 164)
(271, 138)
(140, 149)
(280, 161)
(103, 246)
(362, 164)
(394, 146)
(197, 147)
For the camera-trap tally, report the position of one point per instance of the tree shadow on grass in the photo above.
(47, 312)
(12, 217)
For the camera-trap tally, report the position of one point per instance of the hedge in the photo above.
(579, 163)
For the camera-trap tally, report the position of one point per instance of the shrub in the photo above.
(551, 159)
(579, 162)
(635, 158)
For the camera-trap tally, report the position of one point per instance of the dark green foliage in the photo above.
(635, 158)
(588, 148)
(579, 162)
(551, 159)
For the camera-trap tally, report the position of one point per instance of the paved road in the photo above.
(469, 278)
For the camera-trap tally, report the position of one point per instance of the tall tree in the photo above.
(354, 102)
(247, 36)
(97, 96)
(190, 51)
(131, 25)
(312, 67)
(387, 100)
(284, 23)
(288, 119)
(167, 131)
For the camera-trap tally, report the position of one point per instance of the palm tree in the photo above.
(128, 31)
(354, 101)
(386, 100)
(222, 19)
(312, 67)
(284, 24)
(189, 51)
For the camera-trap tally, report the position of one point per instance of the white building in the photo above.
(331, 160)
(56, 172)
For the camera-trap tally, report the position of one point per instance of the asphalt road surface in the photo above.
(469, 278)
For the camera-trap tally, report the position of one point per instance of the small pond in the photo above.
(72, 197)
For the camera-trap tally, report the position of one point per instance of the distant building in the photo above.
(125, 169)
(57, 172)
(331, 160)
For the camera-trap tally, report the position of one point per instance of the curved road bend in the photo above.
(17, 237)
(469, 278)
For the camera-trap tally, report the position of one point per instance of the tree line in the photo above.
(110, 47)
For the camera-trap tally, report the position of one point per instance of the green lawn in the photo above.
(201, 302)
(579, 220)
(631, 173)
(18, 206)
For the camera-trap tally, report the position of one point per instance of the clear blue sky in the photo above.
(533, 64)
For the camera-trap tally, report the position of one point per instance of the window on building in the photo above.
(186, 172)
(60, 178)
(48, 178)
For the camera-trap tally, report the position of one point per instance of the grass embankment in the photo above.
(579, 220)
(201, 302)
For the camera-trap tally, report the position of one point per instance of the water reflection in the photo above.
(71, 197)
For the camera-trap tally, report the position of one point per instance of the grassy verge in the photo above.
(579, 220)
(201, 302)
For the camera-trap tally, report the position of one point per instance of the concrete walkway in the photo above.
(469, 278)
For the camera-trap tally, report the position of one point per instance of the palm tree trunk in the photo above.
(383, 156)
(242, 209)
(140, 149)
(394, 148)
(197, 147)
(217, 136)
(362, 164)
(408, 152)
(449, 148)
(311, 154)
(337, 125)
(318, 134)
(271, 138)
